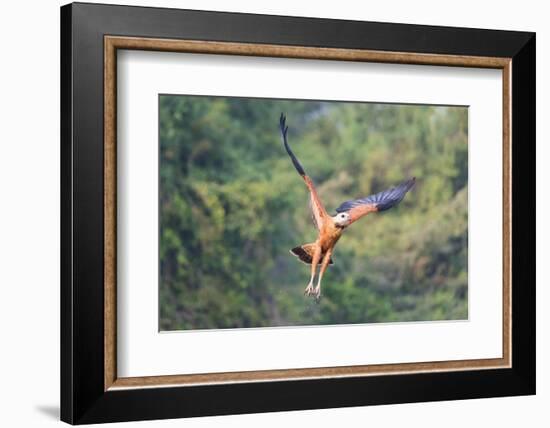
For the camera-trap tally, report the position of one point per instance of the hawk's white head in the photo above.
(342, 219)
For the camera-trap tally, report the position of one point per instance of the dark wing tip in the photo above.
(284, 130)
(393, 196)
(383, 200)
(282, 124)
(408, 184)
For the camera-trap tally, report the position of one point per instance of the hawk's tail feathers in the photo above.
(305, 253)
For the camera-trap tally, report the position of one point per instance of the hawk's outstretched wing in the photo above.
(378, 202)
(318, 211)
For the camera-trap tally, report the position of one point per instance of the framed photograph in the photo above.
(266, 213)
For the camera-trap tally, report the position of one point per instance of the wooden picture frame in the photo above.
(91, 390)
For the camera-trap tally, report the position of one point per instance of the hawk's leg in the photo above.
(314, 262)
(324, 265)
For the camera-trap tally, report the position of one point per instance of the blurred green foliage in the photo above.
(232, 205)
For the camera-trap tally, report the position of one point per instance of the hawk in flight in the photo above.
(330, 228)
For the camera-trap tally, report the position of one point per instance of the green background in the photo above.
(232, 205)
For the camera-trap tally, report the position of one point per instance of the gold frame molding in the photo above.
(113, 43)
